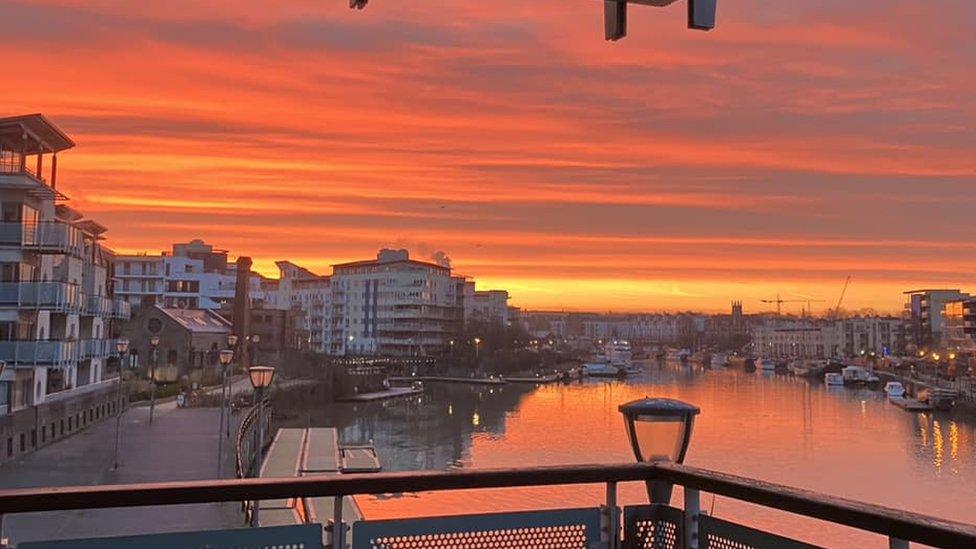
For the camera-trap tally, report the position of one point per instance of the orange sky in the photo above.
(795, 144)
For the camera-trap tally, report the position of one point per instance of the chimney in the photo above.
(241, 316)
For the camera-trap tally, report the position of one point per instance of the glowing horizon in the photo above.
(792, 146)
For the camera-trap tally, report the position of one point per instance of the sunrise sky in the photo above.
(797, 143)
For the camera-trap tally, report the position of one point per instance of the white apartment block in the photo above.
(56, 299)
(192, 276)
(486, 305)
(848, 337)
(393, 305)
(299, 288)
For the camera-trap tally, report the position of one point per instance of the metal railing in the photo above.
(670, 527)
(97, 348)
(43, 236)
(54, 296)
(54, 353)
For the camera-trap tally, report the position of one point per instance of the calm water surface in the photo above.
(778, 428)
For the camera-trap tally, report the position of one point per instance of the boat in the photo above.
(718, 360)
(619, 353)
(737, 361)
(938, 398)
(833, 379)
(894, 389)
(767, 364)
(602, 369)
(806, 368)
(858, 375)
(910, 404)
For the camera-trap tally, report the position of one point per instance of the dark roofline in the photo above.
(926, 290)
(369, 262)
(38, 124)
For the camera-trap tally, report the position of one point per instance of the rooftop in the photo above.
(36, 132)
(199, 320)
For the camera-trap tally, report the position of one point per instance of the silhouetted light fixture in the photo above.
(659, 429)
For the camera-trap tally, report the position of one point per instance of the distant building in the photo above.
(487, 305)
(923, 316)
(819, 338)
(959, 329)
(193, 276)
(189, 339)
(393, 305)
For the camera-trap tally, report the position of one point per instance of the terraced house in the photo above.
(56, 300)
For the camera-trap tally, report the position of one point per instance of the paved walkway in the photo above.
(181, 444)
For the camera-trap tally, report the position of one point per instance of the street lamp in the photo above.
(659, 429)
(261, 377)
(226, 356)
(122, 346)
(153, 344)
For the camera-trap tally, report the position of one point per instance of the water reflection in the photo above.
(848, 442)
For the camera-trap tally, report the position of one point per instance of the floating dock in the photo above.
(552, 378)
(392, 392)
(312, 452)
(443, 379)
(910, 404)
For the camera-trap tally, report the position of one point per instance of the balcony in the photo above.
(39, 353)
(45, 237)
(604, 524)
(49, 296)
(121, 309)
(97, 348)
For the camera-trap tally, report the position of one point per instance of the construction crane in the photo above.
(779, 303)
(843, 292)
(701, 14)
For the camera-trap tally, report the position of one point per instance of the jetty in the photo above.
(392, 392)
(551, 378)
(910, 404)
(315, 451)
(445, 379)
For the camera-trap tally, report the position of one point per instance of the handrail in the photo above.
(873, 518)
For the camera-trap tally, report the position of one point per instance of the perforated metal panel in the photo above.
(653, 527)
(558, 529)
(720, 534)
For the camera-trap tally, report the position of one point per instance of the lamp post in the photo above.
(122, 346)
(154, 345)
(261, 377)
(232, 345)
(659, 429)
(226, 356)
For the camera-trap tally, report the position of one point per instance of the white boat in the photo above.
(807, 368)
(619, 353)
(767, 365)
(602, 369)
(894, 389)
(858, 375)
(833, 379)
(718, 360)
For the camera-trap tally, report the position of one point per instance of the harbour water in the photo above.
(840, 441)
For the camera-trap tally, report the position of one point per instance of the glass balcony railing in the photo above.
(54, 296)
(45, 236)
(97, 348)
(38, 353)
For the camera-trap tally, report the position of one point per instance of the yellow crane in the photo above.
(779, 303)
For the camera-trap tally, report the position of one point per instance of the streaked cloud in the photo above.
(793, 145)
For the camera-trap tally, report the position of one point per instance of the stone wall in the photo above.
(27, 430)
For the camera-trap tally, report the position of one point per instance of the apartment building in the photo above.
(310, 294)
(923, 315)
(848, 337)
(393, 305)
(486, 305)
(959, 329)
(56, 288)
(194, 275)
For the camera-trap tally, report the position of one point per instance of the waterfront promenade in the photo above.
(181, 444)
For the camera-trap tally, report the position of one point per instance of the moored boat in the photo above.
(602, 369)
(894, 389)
(858, 375)
(718, 360)
(833, 379)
